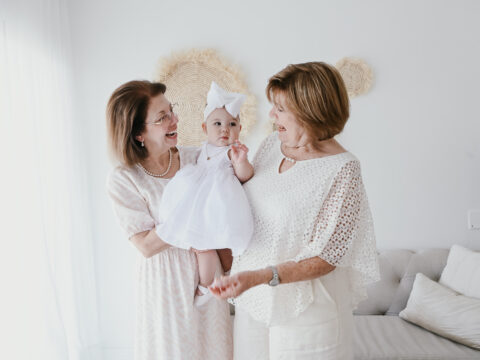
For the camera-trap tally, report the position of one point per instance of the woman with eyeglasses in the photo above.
(142, 134)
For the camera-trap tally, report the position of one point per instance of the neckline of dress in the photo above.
(222, 148)
(164, 178)
(300, 162)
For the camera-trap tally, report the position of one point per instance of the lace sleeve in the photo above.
(343, 209)
(343, 231)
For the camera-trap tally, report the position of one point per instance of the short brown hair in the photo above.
(316, 94)
(126, 114)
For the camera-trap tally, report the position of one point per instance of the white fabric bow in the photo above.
(218, 98)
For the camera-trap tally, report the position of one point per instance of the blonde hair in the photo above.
(317, 96)
(126, 114)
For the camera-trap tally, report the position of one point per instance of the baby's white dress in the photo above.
(205, 207)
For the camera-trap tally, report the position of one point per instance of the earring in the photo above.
(142, 144)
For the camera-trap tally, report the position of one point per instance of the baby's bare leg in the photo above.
(208, 263)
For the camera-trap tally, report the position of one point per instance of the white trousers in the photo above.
(320, 332)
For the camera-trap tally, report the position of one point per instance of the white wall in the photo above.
(416, 133)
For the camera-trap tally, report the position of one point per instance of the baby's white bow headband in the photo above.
(218, 98)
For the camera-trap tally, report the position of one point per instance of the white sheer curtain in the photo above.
(47, 291)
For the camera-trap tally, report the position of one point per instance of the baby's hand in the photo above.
(239, 152)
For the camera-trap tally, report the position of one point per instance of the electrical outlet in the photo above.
(474, 219)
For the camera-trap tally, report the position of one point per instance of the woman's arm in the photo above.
(149, 243)
(234, 285)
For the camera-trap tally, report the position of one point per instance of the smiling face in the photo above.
(290, 132)
(222, 129)
(160, 131)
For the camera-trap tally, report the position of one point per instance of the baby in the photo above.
(204, 206)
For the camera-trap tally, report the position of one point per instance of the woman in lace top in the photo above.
(312, 227)
(142, 130)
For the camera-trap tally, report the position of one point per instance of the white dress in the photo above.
(205, 207)
(168, 325)
(316, 208)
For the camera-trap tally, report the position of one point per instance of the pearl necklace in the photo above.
(289, 159)
(166, 171)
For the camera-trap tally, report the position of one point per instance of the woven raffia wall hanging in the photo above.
(356, 74)
(188, 76)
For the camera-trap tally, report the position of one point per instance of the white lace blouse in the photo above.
(316, 208)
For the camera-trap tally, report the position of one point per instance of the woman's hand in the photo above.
(239, 153)
(234, 285)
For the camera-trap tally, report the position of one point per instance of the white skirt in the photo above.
(205, 207)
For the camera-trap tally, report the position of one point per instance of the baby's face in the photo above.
(221, 128)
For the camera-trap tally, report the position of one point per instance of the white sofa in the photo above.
(380, 334)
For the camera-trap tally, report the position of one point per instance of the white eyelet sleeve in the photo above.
(343, 233)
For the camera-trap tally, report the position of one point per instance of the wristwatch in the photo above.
(275, 279)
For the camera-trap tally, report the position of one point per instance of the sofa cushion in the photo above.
(390, 337)
(398, 268)
(392, 264)
(462, 272)
(443, 311)
(428, 262)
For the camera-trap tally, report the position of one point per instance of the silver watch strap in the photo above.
(275, 278)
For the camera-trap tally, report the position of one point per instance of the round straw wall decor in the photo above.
(188, 76)
(356, 74)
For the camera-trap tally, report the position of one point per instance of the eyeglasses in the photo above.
(167, 116)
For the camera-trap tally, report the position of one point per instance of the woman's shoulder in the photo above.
(267, 145)
(122, 175)
(347, 158)
(346, 163)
